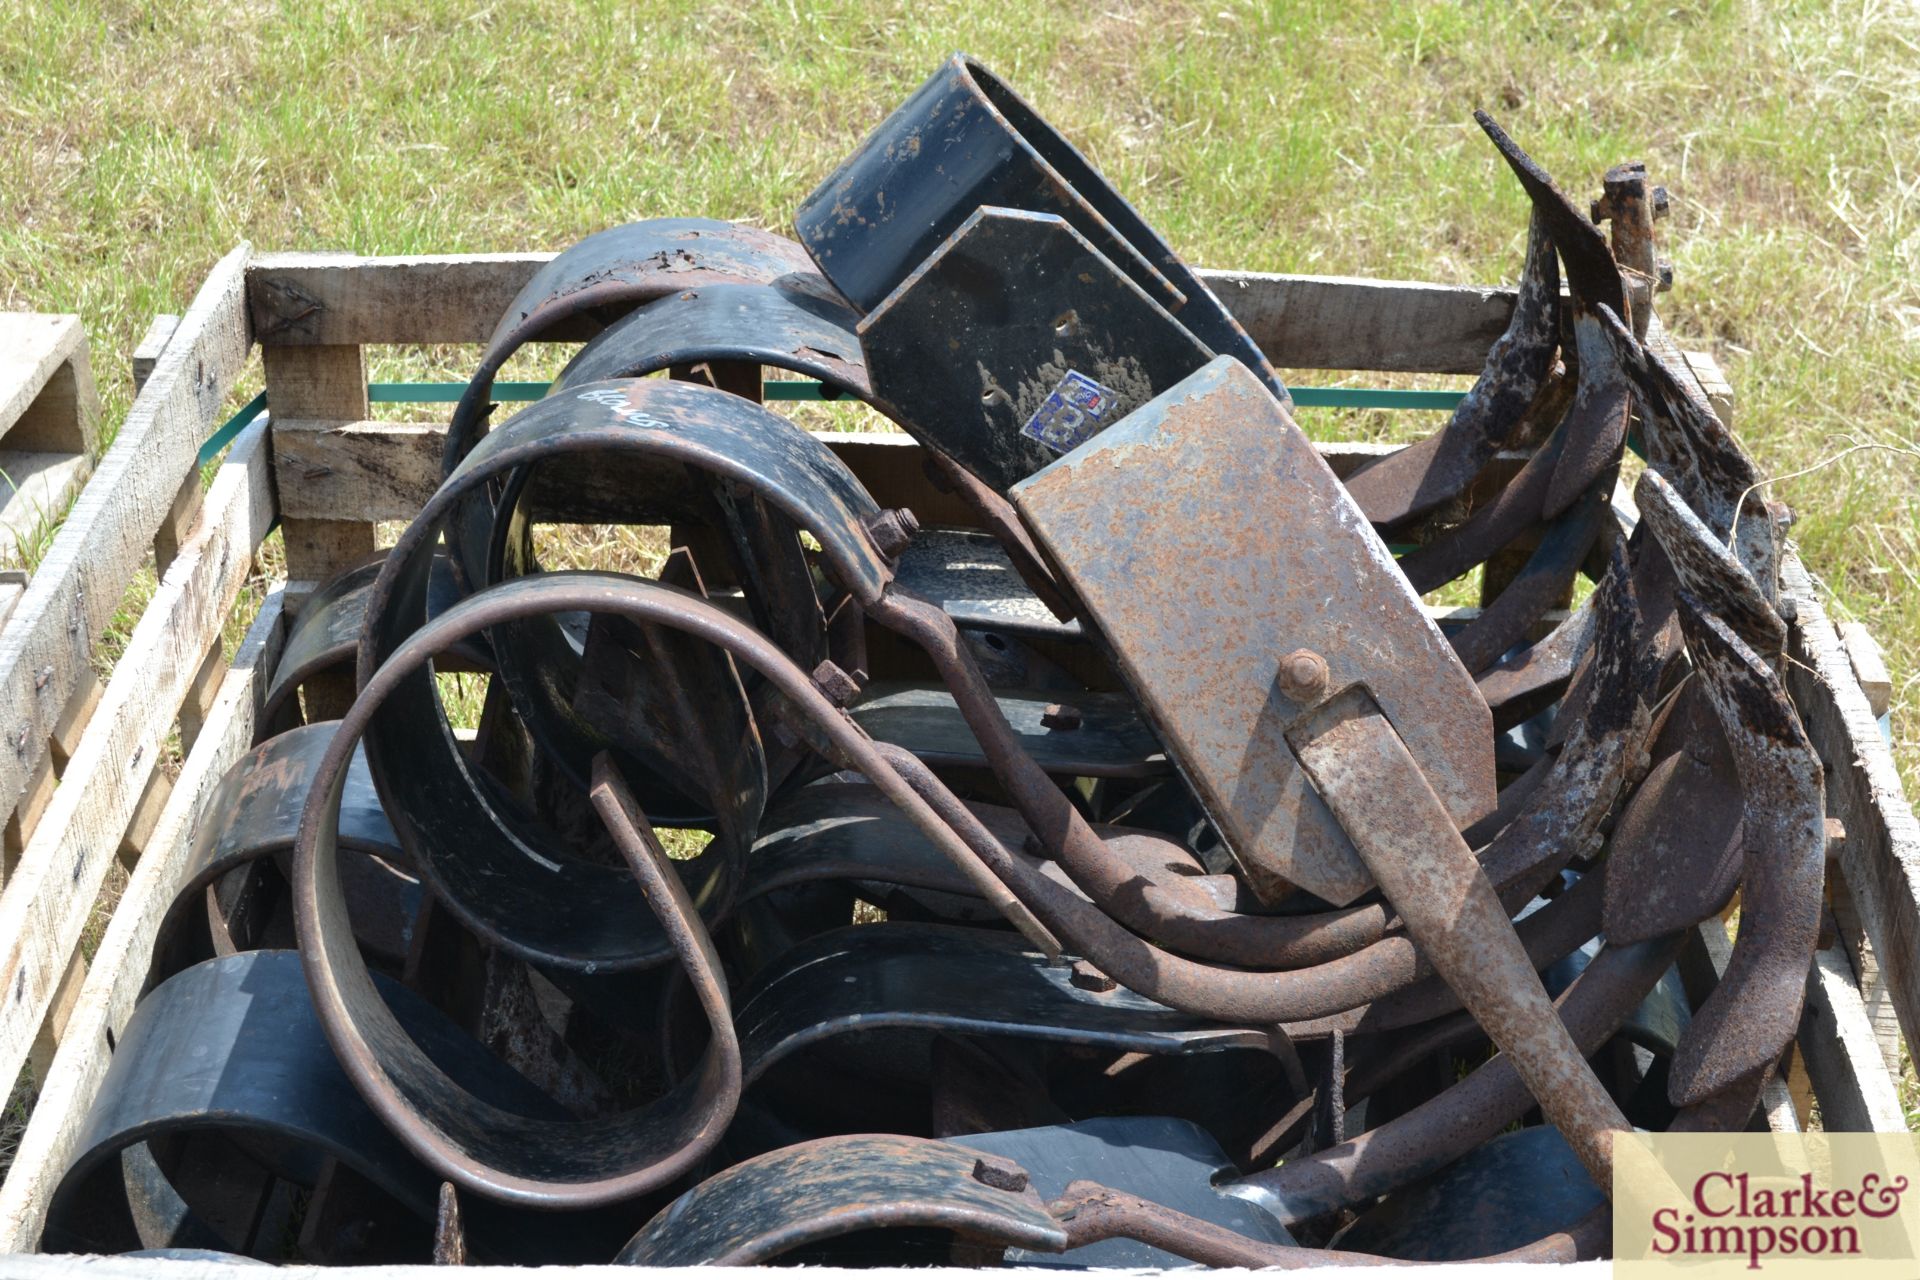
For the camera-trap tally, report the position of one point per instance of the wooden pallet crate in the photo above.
(327, 474)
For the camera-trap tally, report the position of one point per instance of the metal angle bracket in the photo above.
(1250, 590)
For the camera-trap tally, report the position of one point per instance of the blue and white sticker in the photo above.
(1073, 413)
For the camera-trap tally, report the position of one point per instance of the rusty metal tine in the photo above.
(1362, 769)
(1755, 1010)
(1440, 1130)
(1091, 1213)
(1544, 583)
(1519, 686)
(1675, 855)
(1418, 478)
(1707, 570)
(1690, 447)
(1591, 274)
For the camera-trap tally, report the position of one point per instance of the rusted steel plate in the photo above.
(1250, 551)
(1015, 341)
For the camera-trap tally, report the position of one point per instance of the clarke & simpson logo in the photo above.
(1785, 1204)
(1731, 1216)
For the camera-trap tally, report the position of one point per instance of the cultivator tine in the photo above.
(1748, 1020)
(1413, 481)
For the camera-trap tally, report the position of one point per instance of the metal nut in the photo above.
(1303, 675)
(892, 530)
(1662, 202)
(839, 687)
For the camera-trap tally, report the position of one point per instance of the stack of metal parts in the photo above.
(1139, 876)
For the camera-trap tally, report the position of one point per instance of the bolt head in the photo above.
(839, 687)
(1662, 202)
(1303, 675)
(999, 1173)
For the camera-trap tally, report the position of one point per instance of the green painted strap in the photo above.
(1373, 398)
(447, 392)
(231, 428)
(805, 389)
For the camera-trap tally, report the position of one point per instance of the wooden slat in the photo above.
(49, 639)
(47, 397)
(325, 385)
(1302, 322)
(1841, 1056)
(1875, 999)
(45, 905)
(35, 487)
(120, 964)
(1341, 322)
(367, 471)
(1880, 856)
(152, 343)
(1869, 666)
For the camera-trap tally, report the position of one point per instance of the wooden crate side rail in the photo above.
(1302, 322)
(46, 646)
(107, 998)
(44, 908)
(1880, 857)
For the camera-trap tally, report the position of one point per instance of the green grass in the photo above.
(144, 140)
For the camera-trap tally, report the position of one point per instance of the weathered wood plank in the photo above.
(1841, 1055)
(1880, 856)
(324, 384)
(49, 639)
(1346, 322)
(1302, 322)
(35, 488)
(366, 471)
(47, 399)
(44, 907)
(120, 964)
(1869, 666)
(152, 343)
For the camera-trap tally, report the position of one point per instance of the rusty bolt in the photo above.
(1597, 211)
(1303, 675)
(999, 1173)
(839, 687)
(892, 530)
(1662, 202)
(1665, 278)
(1058, 715)
(1087, 978)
